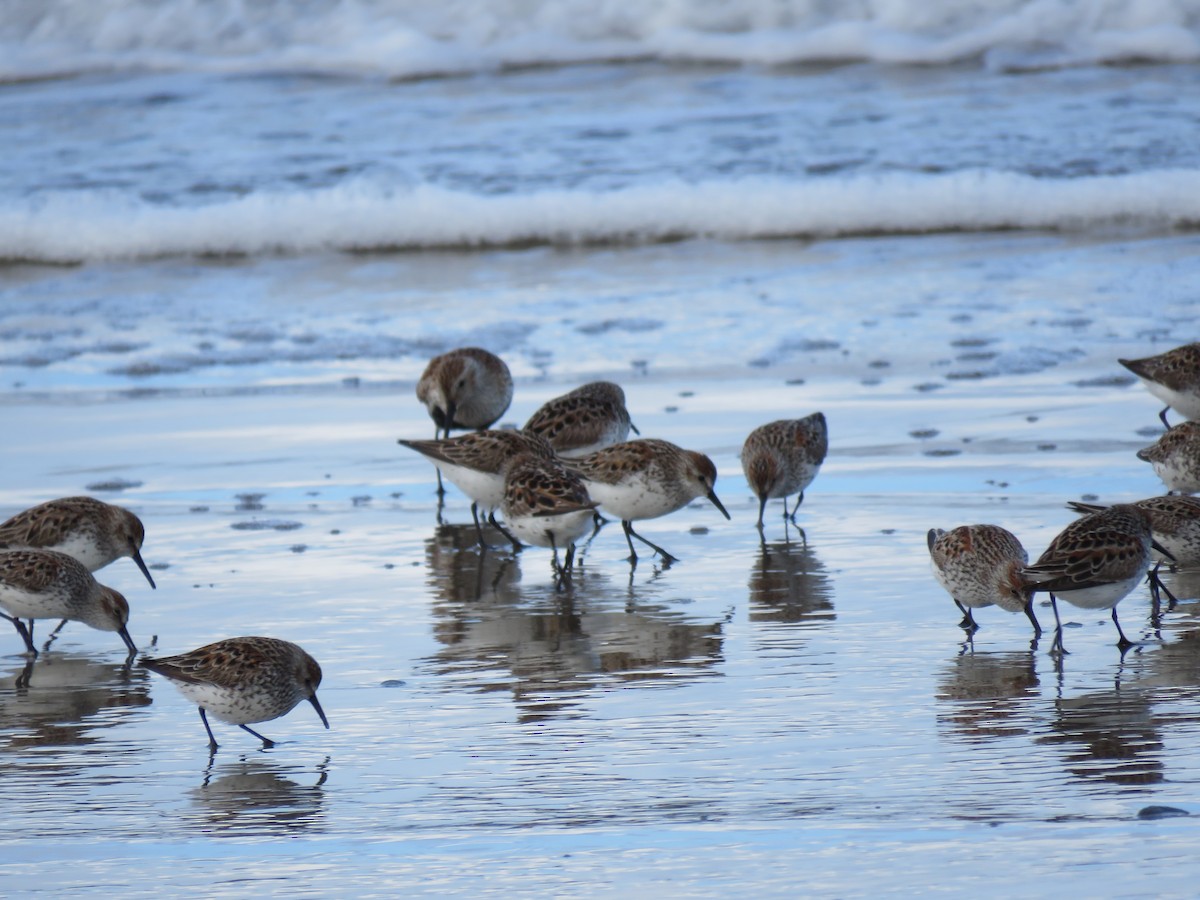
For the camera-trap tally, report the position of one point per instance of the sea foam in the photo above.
(411, 38)
(82, 226)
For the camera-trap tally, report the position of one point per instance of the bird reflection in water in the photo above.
(550, 651)
(1109, 735)
(257, 796)
(982, 696)
(788, 584)
(66, 699)
(459, 571)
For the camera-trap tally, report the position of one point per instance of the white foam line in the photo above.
(72, 227)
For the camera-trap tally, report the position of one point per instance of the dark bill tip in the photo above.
(712, 495)
(141, 564)
(1163, 550)
(320, 712)
(124, 633)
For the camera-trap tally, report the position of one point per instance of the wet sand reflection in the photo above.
(789, 584)
(256, 796)
(982, 696)
(58, 699)
(550, 650)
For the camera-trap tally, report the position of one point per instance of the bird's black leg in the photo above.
(796, 509)
(967, 619)
(1156, 585)
(267, 742)
(516, 545)
(1124, 643)
(1057, 646)
(212, 741)
(667, 557)
(633, 557)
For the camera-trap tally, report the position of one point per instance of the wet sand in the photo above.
(753, 718)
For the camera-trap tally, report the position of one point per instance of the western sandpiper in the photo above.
(45, 584)
(1173, 377)
(1094, 563)
(1176, 457)
(584, 420)
(465, 388)
(1175, 525)
(474, 463)
(782, 458)
(462, 389)
(981, 565)
(546, 505)
(92, 531)
(244, 680)
(644, 479)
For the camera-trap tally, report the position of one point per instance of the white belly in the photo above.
(238, 707)
(1104, 596)
(538, 530)
(1186, 403)
(633, 500)
(1178, 477)
(33, 605)
(483, 488)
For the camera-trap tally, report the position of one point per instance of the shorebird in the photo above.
(782, 458)
(46, 584)
(981, 565)
(546, 505)
(1176, 457)
(1173, 377)
(584, 420)
(474, 463)
(244, 680)
(467, 388)
(1094, 563)
(644, 479)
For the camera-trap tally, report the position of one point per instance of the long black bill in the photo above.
(712, 495)
(141, 564)
(320, 712)
(1161, 549)
(124, 633)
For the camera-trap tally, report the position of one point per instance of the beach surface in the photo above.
(758, 715)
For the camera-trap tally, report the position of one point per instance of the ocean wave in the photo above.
(409, 38)
(71, 227)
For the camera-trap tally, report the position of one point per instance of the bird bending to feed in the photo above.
(46, 584)
(474, 463)
(1173, 377)
(546, 505)
(645, 479)
(467, 388)
(244, 680)
(782, 458)
(1175, 526)
(981, 565)
(1094, 563)
(587, 419)
(92, 531)
(1176, 457)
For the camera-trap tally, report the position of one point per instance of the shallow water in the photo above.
(179, 333)
(752, 718)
